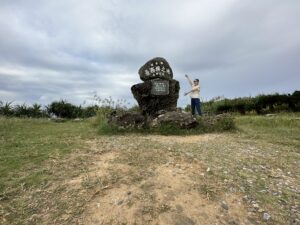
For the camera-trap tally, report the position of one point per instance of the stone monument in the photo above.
(157, 98)
(159, 91)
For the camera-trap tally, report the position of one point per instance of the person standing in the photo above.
(195, 95)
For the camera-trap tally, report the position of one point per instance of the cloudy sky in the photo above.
(72, 49)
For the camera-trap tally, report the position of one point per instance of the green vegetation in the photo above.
(62, 109)
(42, 161)
(34, 155)
(261, 104)
(280, 128)
(27, 143)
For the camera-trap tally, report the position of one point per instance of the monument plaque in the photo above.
(160, 87)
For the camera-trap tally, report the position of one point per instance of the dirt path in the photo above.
(138, 186)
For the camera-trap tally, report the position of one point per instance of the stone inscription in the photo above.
(160, 87)
(157, 69)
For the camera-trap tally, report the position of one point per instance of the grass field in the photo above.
(67, 173)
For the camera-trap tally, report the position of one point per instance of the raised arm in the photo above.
(190, 81)
(193, 89)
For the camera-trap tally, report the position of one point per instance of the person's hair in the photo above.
(197, 80)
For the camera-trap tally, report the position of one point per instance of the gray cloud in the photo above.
(51, 50)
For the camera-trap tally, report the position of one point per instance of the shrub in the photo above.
(63, 109)
(294, 101)
(224, 106)
(259, 104)
(249, 104)
(6, 109)
(239, 105)
(21, 111)
(217, 123)
(35, 111)
(90, 111)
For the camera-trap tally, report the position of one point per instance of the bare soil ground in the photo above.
(175, 180)
(209, 179)
(167, 195)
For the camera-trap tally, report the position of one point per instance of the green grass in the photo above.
(281, 128)
(34, 155)
(27, 143)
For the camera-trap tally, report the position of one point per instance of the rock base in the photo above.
(177, 119)
(127, 120)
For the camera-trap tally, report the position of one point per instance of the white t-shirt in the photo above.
(195, 93)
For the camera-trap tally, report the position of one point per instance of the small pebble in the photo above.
(224, 205)
(266, 216)
(120, 202)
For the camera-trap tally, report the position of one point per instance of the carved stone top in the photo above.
(156, 68)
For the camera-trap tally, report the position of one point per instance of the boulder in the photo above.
(175, 118)
(127, 120)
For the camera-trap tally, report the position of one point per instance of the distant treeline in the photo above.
(260, 104)
(62, 109)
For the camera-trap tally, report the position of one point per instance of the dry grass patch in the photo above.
(183, 139)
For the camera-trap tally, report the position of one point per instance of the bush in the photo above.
(217, 123)
(102, 115)
(260, 104)
(294, 101)
(63, 109)
(21, 111)
(36, 111)
(224, 106)
(6, 109)
(90, 111)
